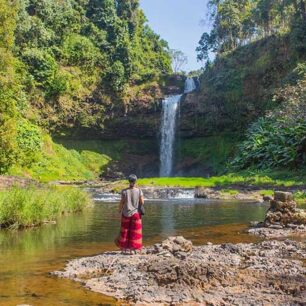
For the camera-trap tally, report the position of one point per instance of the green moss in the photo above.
(213, 151)
(32, 206)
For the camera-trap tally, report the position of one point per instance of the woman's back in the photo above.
(131, 197)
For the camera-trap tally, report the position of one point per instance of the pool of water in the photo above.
(26, 257)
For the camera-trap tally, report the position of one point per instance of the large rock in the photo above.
(269, 272)
(282, 215)
(283, 196)
(201, 193)
(172, 246)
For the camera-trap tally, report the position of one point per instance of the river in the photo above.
(27, 256)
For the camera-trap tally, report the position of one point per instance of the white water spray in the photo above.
(170, 106)
(168, 127)
(190, 85)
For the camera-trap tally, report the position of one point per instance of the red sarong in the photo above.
(131, 233)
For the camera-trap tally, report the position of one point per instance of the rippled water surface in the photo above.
(27, 256)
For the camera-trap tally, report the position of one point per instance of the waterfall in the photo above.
(190, 85)
(169, 114)
(170, 106)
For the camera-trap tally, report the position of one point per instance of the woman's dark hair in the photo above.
(132, 178)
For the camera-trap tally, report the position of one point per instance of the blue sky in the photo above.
(180, 22)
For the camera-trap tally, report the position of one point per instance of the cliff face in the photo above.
(238, 87)
(141, 117)
(195, 117)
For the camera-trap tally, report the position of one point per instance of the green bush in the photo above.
(41, 65)
(58, 86)
(29, 142)
(80, 51)
(279, 138)
(116, 76)
(33, 206)
(272, 143)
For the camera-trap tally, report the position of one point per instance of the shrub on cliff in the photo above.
(279, 138)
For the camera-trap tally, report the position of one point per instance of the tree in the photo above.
(8, 86)
(235, 23)
(206, 44)
(179, 59)
(128, 11)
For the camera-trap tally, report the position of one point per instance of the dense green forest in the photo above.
(71, 65)
(257, 80)
(82, 68)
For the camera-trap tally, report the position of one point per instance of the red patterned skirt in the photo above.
(131, 233)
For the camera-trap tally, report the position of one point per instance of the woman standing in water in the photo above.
(130, 209)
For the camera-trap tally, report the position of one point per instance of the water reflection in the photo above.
(27, 256)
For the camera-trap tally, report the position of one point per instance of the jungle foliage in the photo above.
(256, 80)
(237, 23)
(279, 138)
(70, 65)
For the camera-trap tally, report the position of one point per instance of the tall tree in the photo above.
(128, 11)
(8, 85)
(179, 60)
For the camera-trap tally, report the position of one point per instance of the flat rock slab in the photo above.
(270, 272)
(270, 232)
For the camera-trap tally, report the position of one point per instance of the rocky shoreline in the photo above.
(269, 233)
(175, 272)
(213, 193)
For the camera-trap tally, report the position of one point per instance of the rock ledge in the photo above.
(175, 272)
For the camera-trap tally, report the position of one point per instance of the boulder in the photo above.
(283, 211)
(283, 196)
(201, 193)
(267, 198)
(173, 245)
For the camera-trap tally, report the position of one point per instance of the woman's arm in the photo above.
(141, 198)
(121, 204)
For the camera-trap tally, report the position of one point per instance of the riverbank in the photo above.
(228, 192)
(260, 179)
(32, 206)
(176, 272)
(228, 187)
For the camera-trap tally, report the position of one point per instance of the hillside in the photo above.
(81, 83)
(75, 69)
(256, 83)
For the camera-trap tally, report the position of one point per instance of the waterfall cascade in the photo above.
(168, 126)
(190, 85)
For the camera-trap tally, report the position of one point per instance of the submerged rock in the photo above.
(227, 274)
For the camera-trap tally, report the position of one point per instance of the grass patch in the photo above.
(112, 148)
(300, 197)
(267, 192)
(230, 191)
(273, 179)
(59, 163)
(32, 206)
